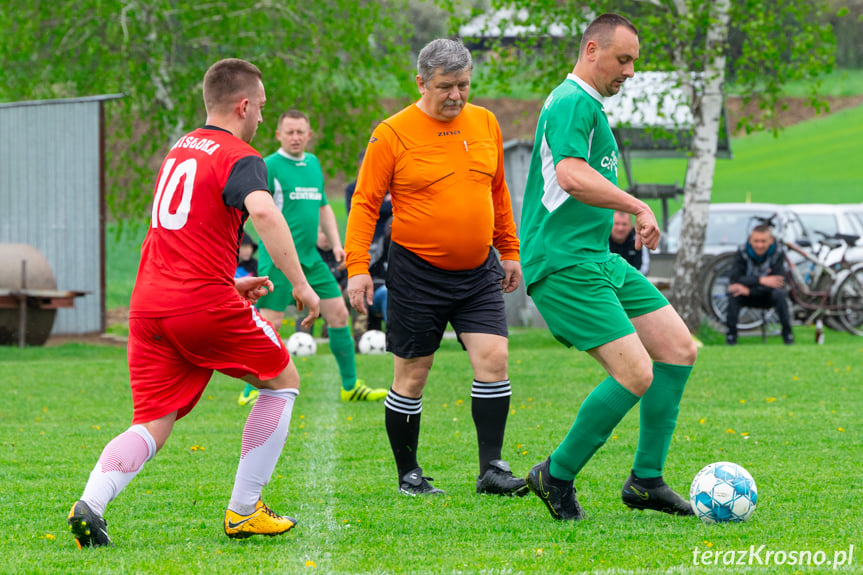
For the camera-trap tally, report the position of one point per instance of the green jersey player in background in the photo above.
(592, 299)
(297, 182)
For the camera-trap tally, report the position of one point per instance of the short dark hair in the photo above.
(248, 241)
(226, 79)
(602, 28)
(761, 228)
(295, 114)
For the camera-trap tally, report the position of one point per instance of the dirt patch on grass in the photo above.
(88, 338)
(117, 316)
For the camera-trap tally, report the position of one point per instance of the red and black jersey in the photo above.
(189, 256)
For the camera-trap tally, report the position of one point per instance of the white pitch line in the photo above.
(319, 477)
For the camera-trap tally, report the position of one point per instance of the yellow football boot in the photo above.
(264, 521)
(362, 392)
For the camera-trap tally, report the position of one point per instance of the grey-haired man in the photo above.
(441, 159)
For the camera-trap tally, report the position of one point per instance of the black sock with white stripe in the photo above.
(489, 407)
(403, 428)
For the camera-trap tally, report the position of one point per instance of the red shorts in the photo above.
(171, 359)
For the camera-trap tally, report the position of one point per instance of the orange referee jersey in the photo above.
(450, 199)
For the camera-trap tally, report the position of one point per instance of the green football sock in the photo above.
(601, 411)
(659, 408)
(248, 389)
(342, 346)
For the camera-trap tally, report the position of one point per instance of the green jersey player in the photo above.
(590, 298)
(297, 182)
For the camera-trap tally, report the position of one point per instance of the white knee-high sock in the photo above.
(120, 462)
(263, 439)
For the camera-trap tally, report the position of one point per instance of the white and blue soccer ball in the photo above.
(373, 342)
(301, 344)
(723, 492)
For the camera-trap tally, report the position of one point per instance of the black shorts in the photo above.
(422, 298)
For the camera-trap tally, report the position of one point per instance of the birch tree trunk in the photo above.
(706, 111)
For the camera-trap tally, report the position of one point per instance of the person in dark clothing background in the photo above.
(758, 280)
(247, 263)
(378, 252)
(622, 241)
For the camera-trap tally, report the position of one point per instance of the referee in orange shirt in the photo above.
(441, 159)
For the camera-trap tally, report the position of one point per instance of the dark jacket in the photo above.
(250, 267)
(627, 251)
(380, 247)
(339, 272)
(748, 267)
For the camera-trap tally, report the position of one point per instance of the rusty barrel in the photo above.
(23, 267)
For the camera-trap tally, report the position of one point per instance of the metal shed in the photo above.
(52, 196)
(520, 310)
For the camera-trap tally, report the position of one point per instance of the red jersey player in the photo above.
(189, 316)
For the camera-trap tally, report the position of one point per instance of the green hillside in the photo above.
(818, 161)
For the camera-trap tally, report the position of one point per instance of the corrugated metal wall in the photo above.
(50, 197)
(520, 309)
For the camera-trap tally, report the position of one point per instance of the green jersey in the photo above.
(298, 190)
(557, 230)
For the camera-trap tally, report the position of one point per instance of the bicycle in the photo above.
(828, 286)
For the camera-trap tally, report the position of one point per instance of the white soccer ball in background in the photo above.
(723, 492)
(373, 342)
(301, 344)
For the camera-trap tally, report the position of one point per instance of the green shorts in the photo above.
(589, 304)
(318, 275)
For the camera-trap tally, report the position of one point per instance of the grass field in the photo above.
(789, 415)
(840, 82)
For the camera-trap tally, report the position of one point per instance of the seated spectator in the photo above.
(378, 252)
(247, 263)
(758, 280)
(378, 267)
(622, 241)
(378, 264)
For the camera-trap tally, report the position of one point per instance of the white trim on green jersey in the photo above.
(553, 195)
(557, 230)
